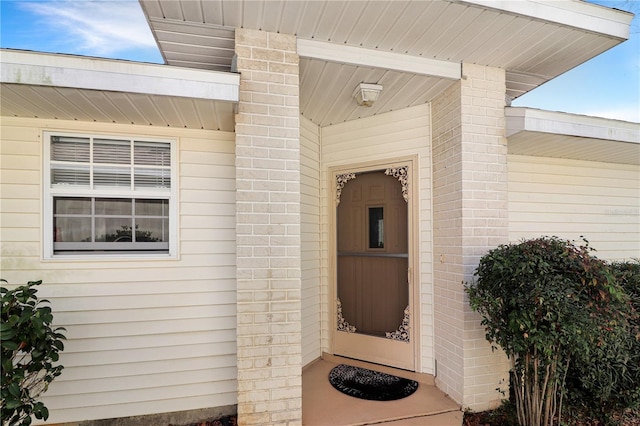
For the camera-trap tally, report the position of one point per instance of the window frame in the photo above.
(50, 192)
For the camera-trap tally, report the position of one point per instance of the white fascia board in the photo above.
(56, 70)
(577, 14)
(359, 56)
(534, 120)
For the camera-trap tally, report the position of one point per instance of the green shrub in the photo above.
(544, 301)
(606, 378)
(29, 348)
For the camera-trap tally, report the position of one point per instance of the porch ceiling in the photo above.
(560, 135)
(534, 41)
(21, 100)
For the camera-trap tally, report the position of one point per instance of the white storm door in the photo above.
(372, 286)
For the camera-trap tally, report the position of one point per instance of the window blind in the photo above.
(101, 163)
(111, 151)
(70, 149)
(152, 154)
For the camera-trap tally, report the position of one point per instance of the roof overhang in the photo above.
(70, 87)
(412, 48)
(561, 135)
(576, 13)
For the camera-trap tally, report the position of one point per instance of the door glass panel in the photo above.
(372, 289)
(376, 227)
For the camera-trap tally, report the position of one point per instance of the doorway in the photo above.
(373, 263)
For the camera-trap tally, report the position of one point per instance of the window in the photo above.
(376, 227)
(109, 195)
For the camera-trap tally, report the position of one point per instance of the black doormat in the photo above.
(367, 384)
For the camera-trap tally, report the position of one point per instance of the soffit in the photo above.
(560, 135)
(21, 100)
(533, 41)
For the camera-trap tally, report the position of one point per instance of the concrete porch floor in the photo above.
(323, 405)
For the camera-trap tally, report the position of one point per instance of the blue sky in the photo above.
(607, 86)
(109, 29)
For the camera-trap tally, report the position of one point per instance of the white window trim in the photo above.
(49, 193)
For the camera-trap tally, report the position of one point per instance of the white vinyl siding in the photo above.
(310, 237)
(380, 138)
(572, 198)
(144, 336)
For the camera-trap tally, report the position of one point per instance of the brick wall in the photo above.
(447, 240)
(268, 230)
(470, 217)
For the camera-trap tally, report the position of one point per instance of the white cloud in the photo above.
(97, 28)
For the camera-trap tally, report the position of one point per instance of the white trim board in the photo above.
(577, 14)
(57, 70)
(520, 119)
(352, 55)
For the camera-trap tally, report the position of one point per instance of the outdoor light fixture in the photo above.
(367, 93)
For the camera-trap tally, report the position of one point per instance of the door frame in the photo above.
(413, 246)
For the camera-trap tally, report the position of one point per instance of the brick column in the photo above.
(470, 218)
(268, 230)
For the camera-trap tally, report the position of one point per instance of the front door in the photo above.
(373, 297)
